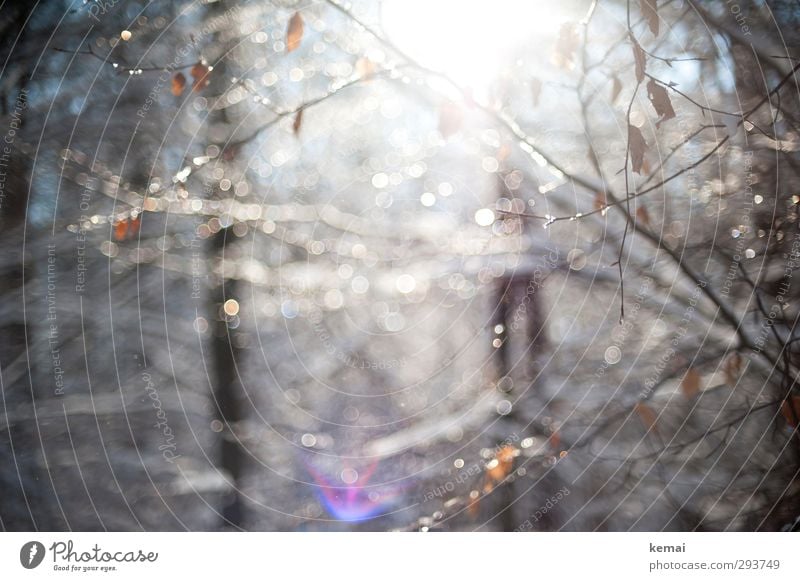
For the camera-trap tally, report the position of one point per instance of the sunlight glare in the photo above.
(471, 41)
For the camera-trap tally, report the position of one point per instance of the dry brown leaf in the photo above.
(231, 151)
(790, 410)
(600, 200)
(473, 508)
(294, 32)
(135, 224)
(636, 147)
(503, 152)
(564, 52)
(365, 68)
(499, 467)
(199, 73)
(555, 441)
(536, 91)
(450, 119)
(647, 415)
(690, 386)
(127, 228)
(178, 84)
(298, 121)
(642, 215)
(120, 230)
(640, 61)
(732, 368)
(661, 103)
(616, 89)
(649, 10)
(645, 166)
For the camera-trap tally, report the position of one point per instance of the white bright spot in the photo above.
(612, 355)
(108, 248)
(470, 41)
(360, 285)
(349, 476)
(405, 283)
(289, 309)
(638, 119)
(490, 164)
(125, 35)
(359, 250)
(183, 174)
(427, 199)
(576, 258)
(394, 322)
(308, 440)
(334, 299)
(383, 200)
(231, 307)
(200, 325)
(750, 253)
(484, 217)
(380, 180)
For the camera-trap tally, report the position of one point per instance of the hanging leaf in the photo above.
(645, 166)
(230, 151)
(503, 152)
(499, 467)
(199, 73)
(298, 121)
(732, 369)
(790, 410)
(647, 415)
(473, 508)
(178, 84)
(640, 60)
(126, 228)
(536, 91)
(636, 146)
(555, 441)
(649, 10)
(294, 32)
(600, 201)
(504, 462)
(133, 228)
(642, 215)
(660, 100)
(564, 52)
(616, 89)
(120, 230)
(690, 386)
(450, 119)
(365, 68)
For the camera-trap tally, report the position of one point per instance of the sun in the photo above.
(472, 41)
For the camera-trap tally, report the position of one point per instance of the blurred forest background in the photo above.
(399, 265)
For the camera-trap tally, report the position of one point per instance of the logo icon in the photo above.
(31, 554)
